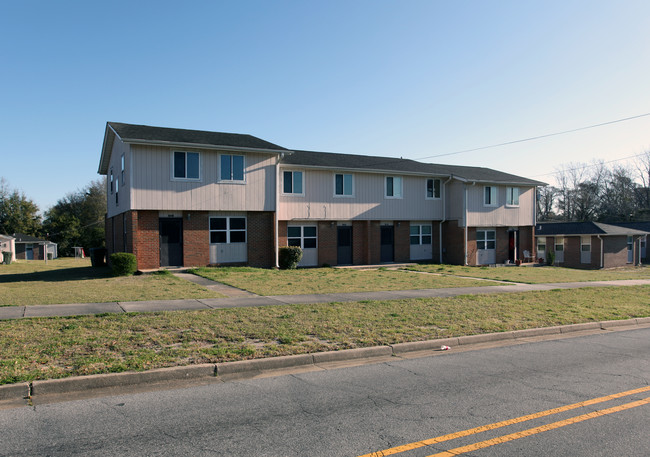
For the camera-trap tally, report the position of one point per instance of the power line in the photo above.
(537, 137)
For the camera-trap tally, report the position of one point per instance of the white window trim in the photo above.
(343, 195)
(401, 187)
(559, 241)
(111, 182)
(486, 239)
(231, 181)
(421, 235)
(302, 235)
(302, 177)
(228, 230)
(508, 195)
(123, 166)
(426, 188)
(494, 196)
(199, 179)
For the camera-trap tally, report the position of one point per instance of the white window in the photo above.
(393, 188)
(111, 182)
(343, 185)
(231, 167)
(433, 188)
(486, 239)
(512, 196)
(117, 191)
(490, 196)
(585, 249)
(123, 167)
(303, 236)
(227, 230)
(420, 234)
(186, 165)
(559, 244)
(541, 247)
(292, 182)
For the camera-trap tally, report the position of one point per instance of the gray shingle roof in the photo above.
(392, 164)
(133, 133)
(583, 228)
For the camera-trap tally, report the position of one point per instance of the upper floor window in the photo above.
(490, 196)
(117, 191)
(111, 182)
(343, 185)
(393, 188)
(231, 168)
(186, 165)
(433, 188)
(512, 196)
(227, 230)
(292, 182)
(123, 168)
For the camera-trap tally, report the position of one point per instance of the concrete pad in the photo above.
(351, 354)
(485, 338)
(74, 384)
(430, 345)
(272, 363)
(12, 312)
(236, 302)
(17, 391)
(162, 305)
(76, 309)
(580, 327)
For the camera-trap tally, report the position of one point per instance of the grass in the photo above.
(59, 347)
(536, 275)
(328, 280)
(75, 281)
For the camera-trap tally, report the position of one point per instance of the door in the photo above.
(171, 242)
(29, 252)
(387, 243)
(486, 250)
(344, 245)
(630, 249)
(513, 245)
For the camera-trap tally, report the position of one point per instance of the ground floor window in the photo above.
(303, 236)
(585, 249)
(486, 239)
(227, 230)
(420, 234)
(541, 247)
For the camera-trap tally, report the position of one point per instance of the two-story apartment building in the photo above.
(188, 197)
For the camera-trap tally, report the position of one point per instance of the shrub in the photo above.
(550, 257)
(289, 257)
(123, 264)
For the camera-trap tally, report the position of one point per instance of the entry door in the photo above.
(344, 245)
(387, 243)
(513, 245)
(29, 252)
(171, 242)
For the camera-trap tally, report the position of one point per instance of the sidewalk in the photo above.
(239, 298)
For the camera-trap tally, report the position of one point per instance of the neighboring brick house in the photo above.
(33, 248)
(188, 197)
(589, 244)
(644, 227)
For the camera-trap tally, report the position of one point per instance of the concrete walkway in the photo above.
(239, 298)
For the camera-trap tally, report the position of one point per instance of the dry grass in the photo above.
(75, 281)
(329, 280)
(60, 347)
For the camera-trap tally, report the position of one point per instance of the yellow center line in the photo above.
(543, 428)
(483, 428)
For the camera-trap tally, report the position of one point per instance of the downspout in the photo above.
(444, 214)
(465, 211)
(602, 252)
(276, 237)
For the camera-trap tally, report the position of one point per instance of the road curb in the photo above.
(249, 368)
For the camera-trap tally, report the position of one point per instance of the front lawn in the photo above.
(536, 275)
(31, 282)
(46, 348)
(328, 280)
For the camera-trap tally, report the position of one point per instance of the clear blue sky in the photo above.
(394, 78)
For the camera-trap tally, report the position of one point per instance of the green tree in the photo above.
(18, 214)
(78, 219)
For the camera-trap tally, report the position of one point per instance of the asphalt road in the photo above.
(371, 408)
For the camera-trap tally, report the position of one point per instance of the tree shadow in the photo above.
(64, 274)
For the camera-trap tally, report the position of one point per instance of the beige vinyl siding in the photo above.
(154, 188)
(367, 203)
(115, 164)
(501, 215)
(454, 200)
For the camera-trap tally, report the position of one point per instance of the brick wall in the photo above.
(453, 242)
(146, 240)
(402, 241)
(261, 239)
(502, 245)
(196, 239)
(615, 251)
(327, 253)
(282, 233)
(360, 243)
(526, 241)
